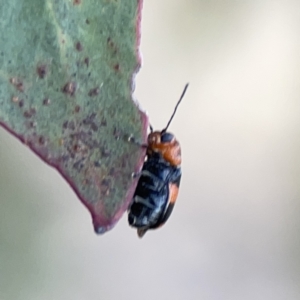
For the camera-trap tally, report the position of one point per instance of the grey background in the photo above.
(234, 233)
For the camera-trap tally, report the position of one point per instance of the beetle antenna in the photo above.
(174, 112)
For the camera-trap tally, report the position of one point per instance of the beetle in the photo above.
(158, 184)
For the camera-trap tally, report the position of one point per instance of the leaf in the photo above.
(66, 77)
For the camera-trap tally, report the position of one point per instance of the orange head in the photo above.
(165, 143)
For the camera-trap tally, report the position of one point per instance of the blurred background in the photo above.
(234, 233)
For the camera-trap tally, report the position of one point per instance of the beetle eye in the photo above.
(166, 137)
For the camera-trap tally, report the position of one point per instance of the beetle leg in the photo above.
(132, 140)
(140, 173)
(137, 174)
(142, 231)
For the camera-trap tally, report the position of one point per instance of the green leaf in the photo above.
(66, 78)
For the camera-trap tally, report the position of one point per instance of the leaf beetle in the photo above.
(158, 184)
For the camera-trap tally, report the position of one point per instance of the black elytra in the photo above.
(151, 207)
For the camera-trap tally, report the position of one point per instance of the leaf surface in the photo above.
(66, 81)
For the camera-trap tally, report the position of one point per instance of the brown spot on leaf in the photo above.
(112, 46)
(105, 152)
(17, 83)
(90, 121)
(94, 92)
(42, 71)
(87, 61)
(117, 67)
(77, 109)
(65, 125)
(29, 113)
(97, 164)
(79, 164)
(103, 122)
(77, 148)
(76, 2)
(46, 101)
(42, 140)
(21, 103)
(69, 88)
(32, 124)
(109, 40)
(78, 46)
